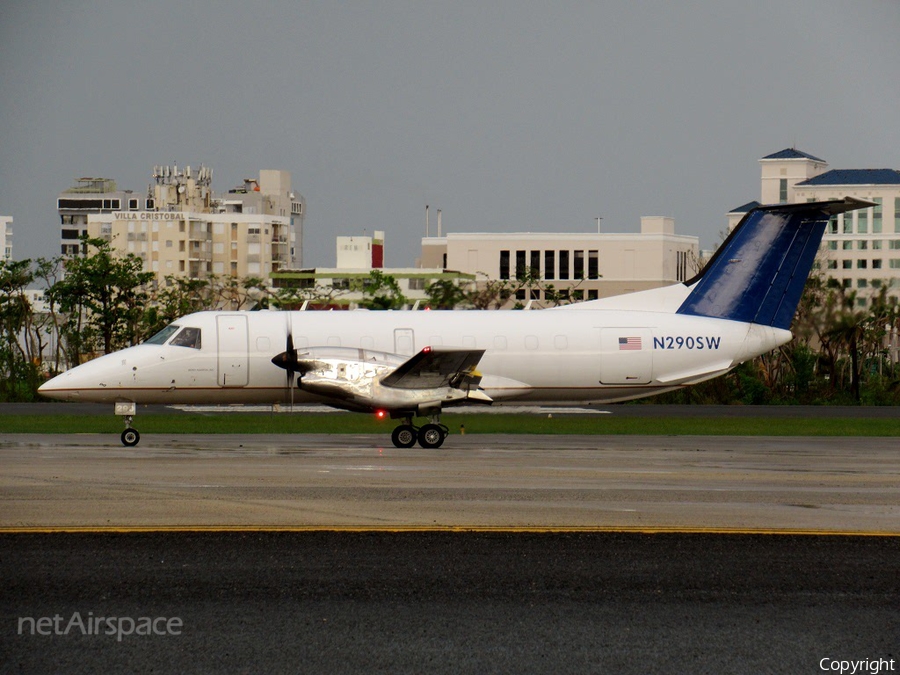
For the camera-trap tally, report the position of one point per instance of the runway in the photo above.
(327, 481)
(494, 554)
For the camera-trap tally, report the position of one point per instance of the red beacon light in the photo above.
(380, 414)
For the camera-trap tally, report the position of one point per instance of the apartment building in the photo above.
(184, 229)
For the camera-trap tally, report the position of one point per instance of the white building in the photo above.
(6, 237)
(357, 256)
(860, 249)
(579, 265)
(363, 252)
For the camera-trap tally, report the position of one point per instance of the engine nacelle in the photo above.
(353, 379)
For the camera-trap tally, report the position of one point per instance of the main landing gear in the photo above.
(429, 435)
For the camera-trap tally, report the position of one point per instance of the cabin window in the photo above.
(188, 337)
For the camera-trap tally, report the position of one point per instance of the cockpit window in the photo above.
(188, 337)
(163, 335)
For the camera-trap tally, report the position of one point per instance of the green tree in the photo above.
(446, 294)
(380, 291)
(176, 298)
(105, 297)
(19, 371)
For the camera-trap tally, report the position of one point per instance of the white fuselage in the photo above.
(565, 355)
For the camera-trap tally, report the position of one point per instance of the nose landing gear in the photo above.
(126, 409)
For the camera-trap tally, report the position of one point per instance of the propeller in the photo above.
(288, 360)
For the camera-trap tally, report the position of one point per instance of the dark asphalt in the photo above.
(330, 602)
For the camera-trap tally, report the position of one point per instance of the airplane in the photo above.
(409, 364)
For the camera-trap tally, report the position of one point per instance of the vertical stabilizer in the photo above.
(758, 274)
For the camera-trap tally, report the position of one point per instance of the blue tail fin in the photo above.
(758, 274)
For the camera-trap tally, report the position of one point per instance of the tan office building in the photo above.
(579, 265)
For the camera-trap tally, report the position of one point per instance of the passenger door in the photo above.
(233, 347)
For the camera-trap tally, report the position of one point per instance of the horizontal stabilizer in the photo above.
(435, 367)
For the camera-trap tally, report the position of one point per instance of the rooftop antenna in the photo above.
(426, 221)
(439, 222)
(598, 219)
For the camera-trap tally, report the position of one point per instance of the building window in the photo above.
(578, 265)
(862, 245)
(593, 264)
(832, 264)
(504, 264)
(782, 191)
(520, 264)
(520, 294)
(832, 246)
(549, 264)
(847, 245)
(563, 264)
(862, 264)
(876, 264)
(832, 225)
(847, 283)
(150, 204)
(876, 215)
(862, 221)
(535, 265)
(593, 294)
(895, 264)
(895, 245)
(876, 245)
(847, 264)
(848, 223)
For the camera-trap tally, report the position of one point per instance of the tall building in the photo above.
(860, 249)
(578, 265)
(6, 237)
(91, 196)
(185, 229)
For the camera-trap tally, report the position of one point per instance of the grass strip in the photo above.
(245, 423)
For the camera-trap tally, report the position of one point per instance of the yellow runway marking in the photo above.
(435, 528)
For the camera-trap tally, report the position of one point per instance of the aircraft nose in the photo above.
(58, 387)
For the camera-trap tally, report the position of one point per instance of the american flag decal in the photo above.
(629, 343)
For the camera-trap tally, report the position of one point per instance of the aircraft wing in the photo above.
(435, 367)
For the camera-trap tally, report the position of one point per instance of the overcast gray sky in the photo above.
(508, 116)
